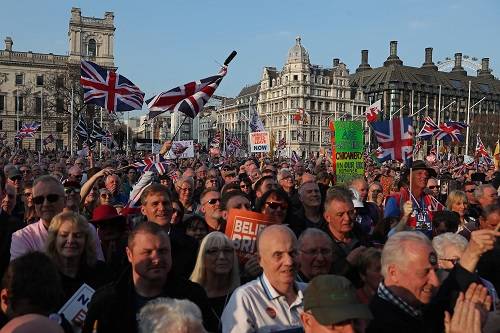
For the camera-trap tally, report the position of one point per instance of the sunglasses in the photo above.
(213, 201)
(51, 198)
(244, 186)
(470, 191)
(16, 178)
(276, 205)
(28, 194)
(70, 190)
(433, 187)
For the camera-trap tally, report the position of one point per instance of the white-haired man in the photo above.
(403, 299)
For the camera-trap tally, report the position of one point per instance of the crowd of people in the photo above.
(395, 250)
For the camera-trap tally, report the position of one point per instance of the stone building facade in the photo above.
(410, 89)
(323, 93)
(29, 80)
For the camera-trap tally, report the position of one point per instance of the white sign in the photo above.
(147, 146)
(75, 309)
(181, 149)
(259, 142)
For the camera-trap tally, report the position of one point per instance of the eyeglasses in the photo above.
(51, 198)
(276, 205)
(432, 187)
(470, 191)
(16, 178)
(244, 186)
(28, 194)
(25, 171)
(230, 175)
(185, 189)
(454, 261)
(215, 251)
(105, 195)
(69, 190)
(213, 201)
(315, 252)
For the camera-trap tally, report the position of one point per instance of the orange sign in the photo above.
(242, 228)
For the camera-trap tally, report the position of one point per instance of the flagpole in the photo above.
(71, 131)
(152, 135)
(439, 116)
(128, 125)
(468, 121)
(320, 130)
(41, 124)
(290, 134)
(100, 143)
(178, 128)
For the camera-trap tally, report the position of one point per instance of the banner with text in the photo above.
(259, 142)
(181, 149)
(242, 228)
(349, 145)
(75, 309)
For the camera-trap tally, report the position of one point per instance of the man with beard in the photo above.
(156, 206)
(115, 308)
(49, 199)
(273, 301)
(210, 207)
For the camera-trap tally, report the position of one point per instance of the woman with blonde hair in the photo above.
(216, 270)
(71, 244)
(457, 202)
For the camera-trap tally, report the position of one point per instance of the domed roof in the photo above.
(298, 53)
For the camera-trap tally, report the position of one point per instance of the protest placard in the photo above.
(75, 309)
(242, 228)
(349, 145)
(259, 142)
(181, 149)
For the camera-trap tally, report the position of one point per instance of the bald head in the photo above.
(274, 234)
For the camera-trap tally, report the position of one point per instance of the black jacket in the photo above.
(389, 318)
(112, 308)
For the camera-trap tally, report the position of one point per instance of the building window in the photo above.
(1, 124)
(19, 103)
(91, 48)
(17, 124)
(59, 127)
(38, 104)
(327, 106)
(19, 79)
(313, 105)
(295, 77)
(2, 102)
(59, 82)
(59, 105)
(39, 80)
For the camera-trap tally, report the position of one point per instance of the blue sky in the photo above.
(161, 44)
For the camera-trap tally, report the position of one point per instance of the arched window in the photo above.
(91, 48)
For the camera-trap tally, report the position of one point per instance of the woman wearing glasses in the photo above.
(216, 270)
(30, 215)
(274, 203)
(457, 202)
(72, 246)
(185, 190)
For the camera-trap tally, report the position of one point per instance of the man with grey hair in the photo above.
(405, 300)
(315, 255)
(273, 301)
(309, 214)
(170, 315)
(485, 195)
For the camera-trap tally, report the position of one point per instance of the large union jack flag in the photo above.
(27, 130)
(395, 138)
(428, 130)
(108, 89)
(450, 131)
(188, 98)
(152, 163)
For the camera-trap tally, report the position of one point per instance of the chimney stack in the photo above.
(428, 59)
(8, 44)
(485, 70)
(458, 65)
(364, 62)
(393, 58)
(336, 62)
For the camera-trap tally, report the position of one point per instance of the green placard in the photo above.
(349, 144)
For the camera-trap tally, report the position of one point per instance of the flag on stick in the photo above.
(395, 137)
(373, 111)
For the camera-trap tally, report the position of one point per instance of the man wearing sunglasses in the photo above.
(210, 207)
(49, 199)
(15, 178)
(433, 187)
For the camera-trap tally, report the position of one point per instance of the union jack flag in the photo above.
(27, 130)
(428, 130)
(188, 98)
(373, 111)
(418, 146)
(281, 144)
(48, 139)
(256, 124)
(379, 152)
(295, 158)
(152, 163)
(450, 131)
(395, 137)
(108, 89)
(481, 152)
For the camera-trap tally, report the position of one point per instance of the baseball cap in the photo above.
(332, 299)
